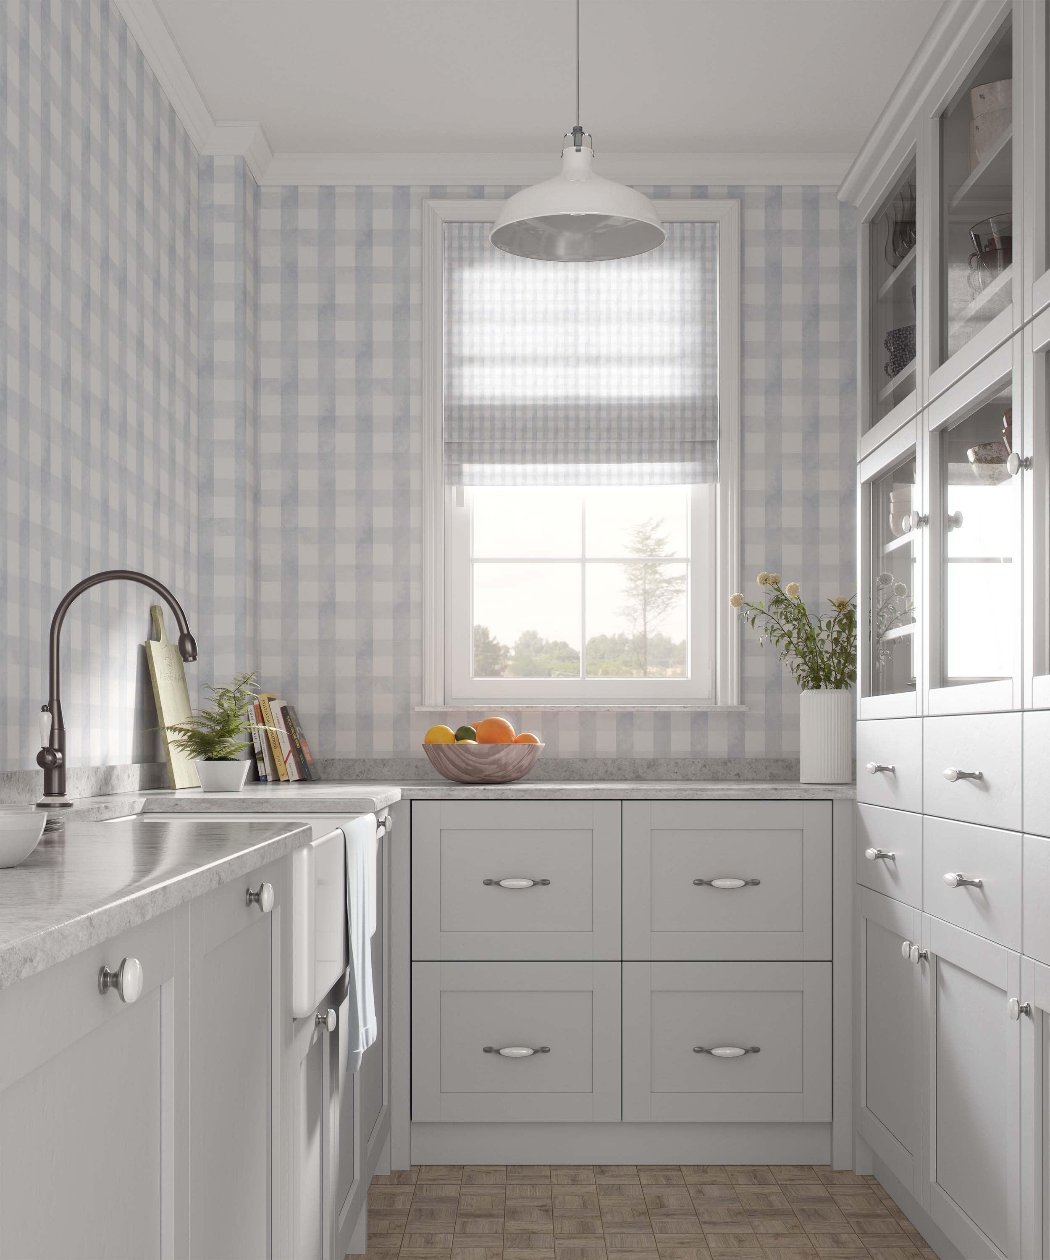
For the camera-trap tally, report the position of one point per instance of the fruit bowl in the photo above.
(483, 763)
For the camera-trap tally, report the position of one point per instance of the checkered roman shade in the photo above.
(581, 373)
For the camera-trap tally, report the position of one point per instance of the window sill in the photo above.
(582, 706)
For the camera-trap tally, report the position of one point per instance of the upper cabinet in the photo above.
(976, 208)
(892, 242)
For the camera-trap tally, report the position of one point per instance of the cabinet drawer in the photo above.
(463, 1014)
(898, 834)
(775, 857)
(994, 857)
(565, 855)
(986, 743)
(1037, 898)
(1036, 780)
(675, 1014)
(897, 745)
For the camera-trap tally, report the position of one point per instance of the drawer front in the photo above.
(1036, 895)
(985, 743)
(727, 880)
(992, 910)
(463, 1014)
(889, 763)
(889, 853)
(676, 1014)
(516, 880)
(1036, 779)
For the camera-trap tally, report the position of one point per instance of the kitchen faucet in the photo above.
(52, 756)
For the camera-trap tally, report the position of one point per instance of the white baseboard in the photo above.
(621, 1143)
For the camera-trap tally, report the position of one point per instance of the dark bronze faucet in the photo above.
(52, 757)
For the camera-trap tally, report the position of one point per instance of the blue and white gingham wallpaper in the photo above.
(98, 350)
(340, 577)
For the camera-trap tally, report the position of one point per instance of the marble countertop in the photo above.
(635, 790)
(87, 881)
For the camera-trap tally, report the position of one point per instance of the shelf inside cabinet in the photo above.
(996, 170)
(905, 265)
(984, 298)
(902, 378)
(898, 544)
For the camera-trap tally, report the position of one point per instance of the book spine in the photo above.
(292, 727)
(271, 766)
(273, 737)
(257, 746)
(308, 757)
(292, 769)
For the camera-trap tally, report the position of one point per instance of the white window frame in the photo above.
(440, 515)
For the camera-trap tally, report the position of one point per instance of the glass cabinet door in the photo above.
(893, 250)
(1033, 470)
(976, 541)
(892, 594)
(977, 198)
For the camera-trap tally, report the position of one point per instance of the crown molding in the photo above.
(246, 140)
(460, 169)
(893, 134)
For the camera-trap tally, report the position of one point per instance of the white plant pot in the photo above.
(222, 776)
(825, 737)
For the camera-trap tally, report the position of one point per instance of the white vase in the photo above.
(825, 731)
(222, 776)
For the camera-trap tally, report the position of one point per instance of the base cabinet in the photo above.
(311, 1129)
(889, 1047)
(88, 1088)
(1035, 1109)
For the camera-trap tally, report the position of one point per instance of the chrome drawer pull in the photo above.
(727, 881)
(878, 767)
(953, 775)
(127, 980)
(516, 881)
(1016, 1008)
(956, 879)
(516, 1052)
(727, 1052)
(880, 855)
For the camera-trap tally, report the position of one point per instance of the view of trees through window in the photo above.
(608, 573)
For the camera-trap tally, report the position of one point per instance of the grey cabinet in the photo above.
(89, 1086)
(310, 1137)
(726, 880)
(888, 1004)
(974, 1097)
(727, 1041)
(1034, 1019)
(236, 948)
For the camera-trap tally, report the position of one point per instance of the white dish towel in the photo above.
(360, 836)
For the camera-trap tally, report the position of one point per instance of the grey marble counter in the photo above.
(290, 800)
(637, 790)
(87, 881)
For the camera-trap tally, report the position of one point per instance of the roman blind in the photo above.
(581, 373)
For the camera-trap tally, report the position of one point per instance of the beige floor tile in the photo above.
(431, 1216)
(789, 1252)
(774, 1222)
(529, 1239)
(385, 1226)
(427, 1240)
(528, 1172)
(469, 1226)
(721, 1214)
(626, 1241)
(875, 1227)
(751, 1175)
(579, 1249)
(858, 1200)
(578, 1227)
(425, 1253)
(696, 1250)
(895, 1252)
(713, 1191)
(621, 1192)
(575, 1202)
(528, 1192)
(512, 1253)
(426, 1192)
(481, 1202)
(763, 1198)
(661, 1175)
(572, 1176)
(466, 1250)
(840, 1177)
(485, 1175)
(440, 1172)
(529, 1215)
(667, 1200)
(398, 1177)
(679, 1226)
(626, 1216)
(611, 1173)
(838, 1243)
(794, 1172)
(820, 1217)
(805, 1192)
(703, 1174)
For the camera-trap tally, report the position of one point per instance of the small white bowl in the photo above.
(21, 827)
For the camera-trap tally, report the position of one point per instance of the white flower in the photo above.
(884, 579)
(900, 589)
(762, 579)
(736, 600)
(792, 589)
(840, 603)
(772, 579)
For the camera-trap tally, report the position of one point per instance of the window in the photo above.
(580, 467)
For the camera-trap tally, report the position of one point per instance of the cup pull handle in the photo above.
(516, 1052)
(727, 1052)
(727, 881)
(516, 881)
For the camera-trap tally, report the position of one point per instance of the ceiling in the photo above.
(491, 76)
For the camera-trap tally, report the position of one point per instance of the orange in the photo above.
(494, 730)
(526, 737)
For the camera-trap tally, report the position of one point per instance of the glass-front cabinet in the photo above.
(1033, 469)
(893, 280)
(977, 204)
(974, 526)
(891, 586)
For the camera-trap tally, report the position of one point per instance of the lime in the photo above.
(464, 733)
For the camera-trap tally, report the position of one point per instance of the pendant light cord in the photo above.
(577, 131)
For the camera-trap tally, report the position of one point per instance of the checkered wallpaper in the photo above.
(98, 352)
(340, 590)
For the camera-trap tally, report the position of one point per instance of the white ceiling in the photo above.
(490, 76)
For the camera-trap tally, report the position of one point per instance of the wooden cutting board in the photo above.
(168, 677)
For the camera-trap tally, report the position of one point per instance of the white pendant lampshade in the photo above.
(577, 216)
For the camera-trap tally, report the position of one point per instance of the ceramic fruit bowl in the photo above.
(21, 827)
(483, 763)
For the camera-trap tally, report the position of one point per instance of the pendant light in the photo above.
(577, 216)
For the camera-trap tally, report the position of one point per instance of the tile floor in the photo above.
(622, 1212)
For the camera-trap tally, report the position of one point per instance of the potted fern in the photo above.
(820, 649)
(218, 734)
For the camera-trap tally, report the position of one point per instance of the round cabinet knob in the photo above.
(263, 897)
(126, 980)
(329, 1019)
(1016, 1008)
(918, 955)
(906, 950)
(1015, 462)
(879, 855)
(917, 520)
